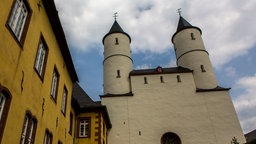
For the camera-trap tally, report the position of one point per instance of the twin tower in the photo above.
(189, 49)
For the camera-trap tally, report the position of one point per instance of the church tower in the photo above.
(117, 61)
(191, 53)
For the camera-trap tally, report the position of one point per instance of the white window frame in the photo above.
(18, 18)
(24, 130)
(40, 58)
(55, 79)
(64, 100)
(47, 138)
(84, 128)
(2, 104)
(31, 131)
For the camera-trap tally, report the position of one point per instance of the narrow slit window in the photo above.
(117, 43)
(202, 68)
(178, 78)
(118, 74)
(145, 80)
(162, 79)
(192, 36)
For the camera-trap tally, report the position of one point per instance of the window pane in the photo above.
(40, 57)
(2, 104)
(84, 128)
(18, 18)
(24, 132)
(64, 99)
(54, 84)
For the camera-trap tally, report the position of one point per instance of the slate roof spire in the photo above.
(184, 24)
(116, 28)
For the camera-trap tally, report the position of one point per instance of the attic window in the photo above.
(192, 36)
(117, 43)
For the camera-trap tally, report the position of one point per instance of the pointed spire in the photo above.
(116, 28)
(183, 24)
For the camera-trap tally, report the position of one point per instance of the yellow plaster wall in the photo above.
(28, 91)
(94, 117)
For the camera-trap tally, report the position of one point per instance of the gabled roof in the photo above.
(115, 29)
(251, 137)
(160, 70)
(184, 24)
(60, 37)
(82, 103)
(81, 96)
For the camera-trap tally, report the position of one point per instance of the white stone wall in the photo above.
(191, 54)
(157, 108)
(117, 57)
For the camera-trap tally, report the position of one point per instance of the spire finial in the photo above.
(115, 15)
(179, 11)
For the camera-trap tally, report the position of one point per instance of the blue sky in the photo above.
(228, 30)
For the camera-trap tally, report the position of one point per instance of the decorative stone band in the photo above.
(191, 51)
(117, 55)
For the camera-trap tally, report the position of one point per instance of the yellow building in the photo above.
(36, 76)
(92, 120)
(36, 81)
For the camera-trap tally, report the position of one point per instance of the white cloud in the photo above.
(245, 103)
(228, 26)
(172, 63)
(231, 71)
(143, 66)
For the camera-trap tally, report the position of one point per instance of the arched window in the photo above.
(170, 138)
(5, 99)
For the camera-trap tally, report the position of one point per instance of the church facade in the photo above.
(175, 105)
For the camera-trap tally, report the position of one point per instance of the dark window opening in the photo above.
(192, 36)
(145, 80)
(170, 138)
(116, 41)
(202, 68)
(162, 79)
(178, 78)
(118, 74)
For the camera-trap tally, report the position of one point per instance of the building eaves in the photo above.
(218, 88)
(162, 71)
(60, 37)
(251, 137)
